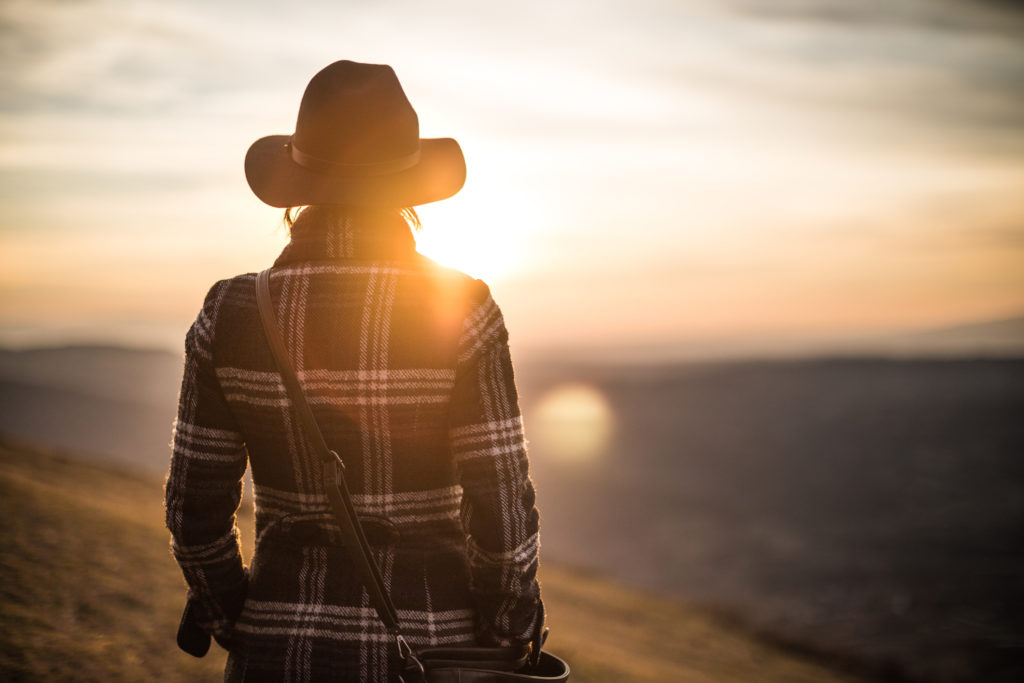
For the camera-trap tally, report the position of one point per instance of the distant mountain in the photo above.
(989, 338)
(116, 404)
(119, 403)
(124, 374)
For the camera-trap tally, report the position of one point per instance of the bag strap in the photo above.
(333, 467)
(337, 489)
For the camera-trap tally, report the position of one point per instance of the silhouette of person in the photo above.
(412, 354)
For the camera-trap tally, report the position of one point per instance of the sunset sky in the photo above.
(640, 174)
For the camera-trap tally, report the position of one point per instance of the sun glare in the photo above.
(478, 232)
(572, 421)
(475, 249)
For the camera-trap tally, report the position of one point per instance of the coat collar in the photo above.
(326, 233)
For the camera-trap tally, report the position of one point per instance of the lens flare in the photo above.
(572, 421)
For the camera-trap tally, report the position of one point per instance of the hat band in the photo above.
(373, 168)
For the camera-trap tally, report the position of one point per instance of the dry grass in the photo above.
(90, 592)
(611, 633)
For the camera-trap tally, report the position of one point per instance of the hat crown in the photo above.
(354, 113)
(356, 143)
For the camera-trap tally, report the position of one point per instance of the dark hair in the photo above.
(408, 214)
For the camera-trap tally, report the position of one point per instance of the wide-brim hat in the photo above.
(356, 143)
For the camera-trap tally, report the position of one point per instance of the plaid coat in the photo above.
(417, 357)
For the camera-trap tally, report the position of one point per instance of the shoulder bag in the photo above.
(428, 665)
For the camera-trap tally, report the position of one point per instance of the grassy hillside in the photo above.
(90, 592)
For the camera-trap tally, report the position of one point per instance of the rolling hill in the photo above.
(90, 592)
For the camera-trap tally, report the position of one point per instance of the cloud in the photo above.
(990, 17)
(93, 55)
(951, 72)
(640, 131)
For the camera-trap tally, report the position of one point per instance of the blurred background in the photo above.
(762, 264)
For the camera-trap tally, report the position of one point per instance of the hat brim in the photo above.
(278, 181)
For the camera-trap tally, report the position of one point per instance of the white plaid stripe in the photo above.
(408, 500)
(522, 556)
(329, 621)
(486, 430)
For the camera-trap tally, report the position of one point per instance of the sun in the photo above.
(472, 247)
(480, 234)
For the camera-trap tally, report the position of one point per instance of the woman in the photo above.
(406, 366)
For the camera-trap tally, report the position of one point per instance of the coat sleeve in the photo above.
(498, 511)
(204, 486)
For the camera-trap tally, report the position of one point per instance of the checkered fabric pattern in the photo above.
(416, 357)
